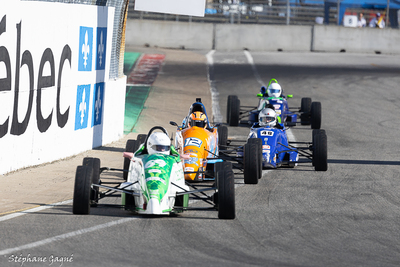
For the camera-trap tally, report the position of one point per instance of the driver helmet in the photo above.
(158, 143)
(198, 119)
(274, 89)
(267, 117)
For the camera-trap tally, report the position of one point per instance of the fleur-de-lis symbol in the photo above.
(82, 107)
(85, 49)
(97, 105)
(101, 48)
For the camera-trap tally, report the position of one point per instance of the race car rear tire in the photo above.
(316, 115)
(95, 164)
(258, 144)
(226, 191)
(305, 110)
(233, 110)
(251, 167)
(131, 146)
(141, 138)
(82, 189)
(320, 152)
(222, 136)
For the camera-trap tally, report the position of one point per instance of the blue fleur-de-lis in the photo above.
(101, 49)
(82, 106)
(97, 105)
(86, 49)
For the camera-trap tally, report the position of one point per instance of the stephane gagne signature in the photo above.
(52, 260)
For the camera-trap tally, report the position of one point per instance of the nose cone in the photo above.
(190, 176)
(154, 206)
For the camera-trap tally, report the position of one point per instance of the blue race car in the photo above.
(270, 138)
(309, 112)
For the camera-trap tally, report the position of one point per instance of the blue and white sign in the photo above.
(101, 48)
(98, 103)
(82, 106)
(85, 49)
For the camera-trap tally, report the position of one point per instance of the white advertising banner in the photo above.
(54, 71)
(179, 7)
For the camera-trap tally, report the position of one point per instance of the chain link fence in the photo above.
(252, 12)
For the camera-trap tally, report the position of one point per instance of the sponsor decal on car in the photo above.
(266, 147)
(189, 151)
(189, 169)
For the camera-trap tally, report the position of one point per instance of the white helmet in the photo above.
(158, 143)
(267, 117)
(274, 89)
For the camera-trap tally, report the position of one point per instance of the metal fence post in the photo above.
(287, 12)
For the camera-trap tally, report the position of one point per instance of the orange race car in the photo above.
(198, 142)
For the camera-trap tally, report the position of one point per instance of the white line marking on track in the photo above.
(217, 116)
(64, 236)
(24, 212)
(253, 66)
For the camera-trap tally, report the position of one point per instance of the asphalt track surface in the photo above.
(347, 216)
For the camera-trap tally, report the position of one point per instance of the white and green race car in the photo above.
(155, 184)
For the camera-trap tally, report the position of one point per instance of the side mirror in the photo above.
(173, 123)
(217, 125)
(259, 95)
(289, 96)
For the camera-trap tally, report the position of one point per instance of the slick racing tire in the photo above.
(226, 191)
(222, 137)
(251, 164)
(82, 189)
(305, 110)
(131, 146)
(316, 115)
(233, 110)
(320, 152)
(315, 132)
(95, 164)
(258, 145)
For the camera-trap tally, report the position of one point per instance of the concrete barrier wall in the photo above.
(261, 37)
(365, 40)
(169, 34)
(56, 98)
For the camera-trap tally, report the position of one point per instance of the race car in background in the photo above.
(309, 113)
(205, 146)
(155, 182)
(278, 151)
(200, 141)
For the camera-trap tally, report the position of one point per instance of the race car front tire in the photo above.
(226, 191)
(258, 145)
(95, 164)
(251, 164)
(82, 189)
(305, 110)
(222, 136)
(315, 115)
(320, 152)
(233, 110)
